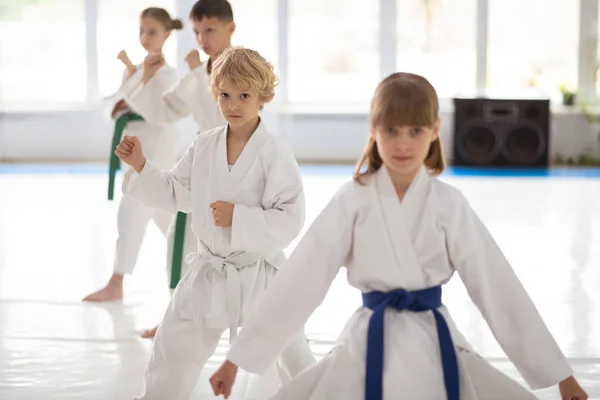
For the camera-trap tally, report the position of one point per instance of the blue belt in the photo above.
(417, 301)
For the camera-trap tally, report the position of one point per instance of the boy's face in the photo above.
(239, 106)
(213, 34)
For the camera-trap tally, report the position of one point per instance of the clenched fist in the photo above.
(570, 390)
(152, 63)
(130, 152)
(122, 56)
(222, 381)
(193, 59)
(127, 62)
(222, 212)
(120, 106)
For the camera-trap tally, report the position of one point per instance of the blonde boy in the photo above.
(244, 190)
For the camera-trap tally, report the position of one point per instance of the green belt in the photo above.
(178, 243)
(115, 163)
(178, 249)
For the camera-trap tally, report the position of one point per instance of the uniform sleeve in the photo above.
(297, 290)
(162, 105)
(279, 220)
(127, 84)
(502, 300)
(170, 191)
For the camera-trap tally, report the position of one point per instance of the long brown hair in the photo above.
(402, 99)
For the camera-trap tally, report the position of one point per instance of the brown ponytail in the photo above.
(161, 15)
(176, 24)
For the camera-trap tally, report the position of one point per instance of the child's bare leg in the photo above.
(132, 221)
(112, 291)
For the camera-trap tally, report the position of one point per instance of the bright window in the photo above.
(436, 39)
(334, 51)
(533, 47)
(256, 27)
(42, 56)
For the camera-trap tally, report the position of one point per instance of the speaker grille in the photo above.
(501, 132)
(524, 145)
(479, 144)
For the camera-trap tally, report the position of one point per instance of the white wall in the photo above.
(85, 135)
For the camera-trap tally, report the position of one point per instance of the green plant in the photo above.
(565, 90)
(585, 159)
(568, 95)
(592, 118)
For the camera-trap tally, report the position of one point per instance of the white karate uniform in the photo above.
(160, 145)
(385, 245)
(189, 96)
(234, 265)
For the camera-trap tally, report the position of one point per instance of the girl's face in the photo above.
(152, 35)
(403, 149)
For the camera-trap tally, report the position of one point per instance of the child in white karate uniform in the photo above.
(159, 141)
(213, 25)
(401, 233)
(244, 190)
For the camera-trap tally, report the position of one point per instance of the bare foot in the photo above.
(112, 291)
(149, 333)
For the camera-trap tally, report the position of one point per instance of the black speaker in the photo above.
(501, 132)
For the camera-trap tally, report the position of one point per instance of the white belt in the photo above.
(227, 268)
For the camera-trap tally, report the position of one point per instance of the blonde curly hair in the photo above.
(244, 68)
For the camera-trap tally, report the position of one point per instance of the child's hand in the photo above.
(120, 106)
(222, 213)
(122, 56)
(152, 63)
(193, 59)
(131, 69)
(222, 381)
(130, 152)
(570, 390)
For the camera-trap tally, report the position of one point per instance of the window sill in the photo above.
(358, 109)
